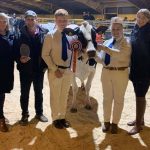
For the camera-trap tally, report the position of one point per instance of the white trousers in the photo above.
(59, 89)
(114, 84)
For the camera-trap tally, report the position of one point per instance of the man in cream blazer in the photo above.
(59, 73)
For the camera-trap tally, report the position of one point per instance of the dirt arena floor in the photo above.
(85, 133)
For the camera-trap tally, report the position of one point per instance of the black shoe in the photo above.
(41, 118)
(106, 126)
(58, 124)
(6, 120)
(65, 123)
(3, 126)
(24, 120)
(114, 128)
(133, 123)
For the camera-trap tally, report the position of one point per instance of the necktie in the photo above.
(65, 43)
(107, 56)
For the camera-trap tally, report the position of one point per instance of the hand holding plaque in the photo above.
(25, 53)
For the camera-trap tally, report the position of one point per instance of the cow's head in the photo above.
(86, 35)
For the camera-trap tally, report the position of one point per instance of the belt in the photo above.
(62, 67)
(116, 68)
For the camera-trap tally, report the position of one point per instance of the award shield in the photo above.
(26, 65)
(24, 50)
(76, 47)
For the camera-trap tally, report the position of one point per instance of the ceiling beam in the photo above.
(9, 6)
(37, 5)
(141, 3)
(96, 5)
(2, 9)
(99, 5)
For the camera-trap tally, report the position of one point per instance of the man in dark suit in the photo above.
(31, 66)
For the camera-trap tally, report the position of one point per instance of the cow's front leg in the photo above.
(87, 90)
(74, 91)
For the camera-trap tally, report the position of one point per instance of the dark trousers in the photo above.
(2, 99)
(25, 80)
(141, 87)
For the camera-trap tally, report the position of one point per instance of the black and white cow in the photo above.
(86, 64)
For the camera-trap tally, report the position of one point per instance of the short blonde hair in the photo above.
(4, 16)
(145, 12)
(61, 12)
(116, 20)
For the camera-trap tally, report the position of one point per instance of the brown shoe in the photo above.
(135, 130)
(133, 123)
(140, 110)
(3, 126)
(65, 123)
(114, 128)
(106, 126)
(6, 121)
(57, 124)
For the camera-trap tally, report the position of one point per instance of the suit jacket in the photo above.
(52, 51)
(140, 57)
(35, 43)
(120, 53)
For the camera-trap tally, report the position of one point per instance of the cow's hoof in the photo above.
(88, 107)
(73, 110)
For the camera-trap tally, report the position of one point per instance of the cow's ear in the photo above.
(101, 29)
(69, 31)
